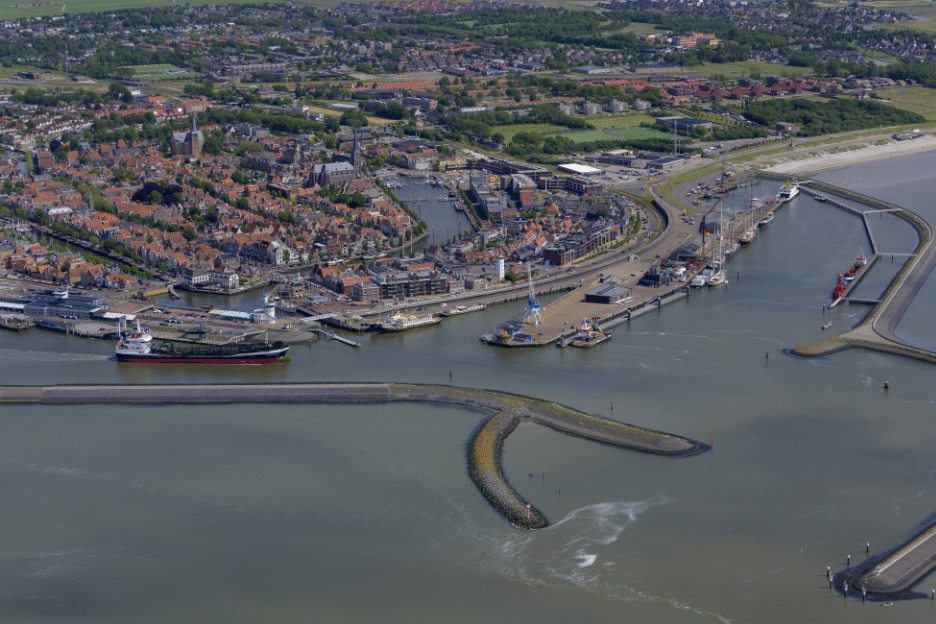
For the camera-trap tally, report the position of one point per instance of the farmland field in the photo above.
(620, 121)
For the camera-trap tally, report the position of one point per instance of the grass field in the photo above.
(638, 133)
(586, 136)
(151, 73)
(23, 8)
(914, 99)
(746, 68)
(510, 131)
(620, 121)
(923, 27)
(6, 72)
(711, 117)
(638, 28)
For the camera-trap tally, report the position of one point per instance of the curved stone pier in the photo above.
(897, 574)
(484, 449)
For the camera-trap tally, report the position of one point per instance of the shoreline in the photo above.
(822, 161)
(506, 411)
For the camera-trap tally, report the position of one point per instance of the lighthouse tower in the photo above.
(266, 314)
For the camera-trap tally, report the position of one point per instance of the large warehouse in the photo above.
(582, 170)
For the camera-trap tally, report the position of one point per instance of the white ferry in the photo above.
(788, 192)
(400, 321)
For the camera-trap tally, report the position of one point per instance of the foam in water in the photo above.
(568, 551)
(578, 541)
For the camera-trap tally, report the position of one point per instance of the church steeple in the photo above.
(356, 153)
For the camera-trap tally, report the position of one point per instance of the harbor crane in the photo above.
(532, 313)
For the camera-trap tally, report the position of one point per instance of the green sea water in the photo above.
(351, 513)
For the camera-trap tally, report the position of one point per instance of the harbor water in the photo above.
(365, 513)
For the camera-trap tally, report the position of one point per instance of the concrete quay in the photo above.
(506, 412)
(562, 318)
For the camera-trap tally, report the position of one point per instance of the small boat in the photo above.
(699, 281)
(589, 335)
(767, 219)
(820, 198)
(718, 278)
(748, 236)
(463, 309)
(827, 325)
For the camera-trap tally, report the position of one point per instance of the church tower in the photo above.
(188, 143)
(195, 139)
(356, 153)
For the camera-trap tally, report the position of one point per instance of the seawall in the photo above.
(506, 411)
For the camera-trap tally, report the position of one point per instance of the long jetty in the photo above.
(897, 574)
(507, 411)
(894, 576)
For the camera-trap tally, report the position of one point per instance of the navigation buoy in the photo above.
(887, 385)
(864, 593)
(867, 548)
(848, 560)
(845, 588)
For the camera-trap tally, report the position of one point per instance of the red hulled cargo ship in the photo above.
(138, 347)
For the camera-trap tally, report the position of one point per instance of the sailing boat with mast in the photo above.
(719, 277)
(750, 230)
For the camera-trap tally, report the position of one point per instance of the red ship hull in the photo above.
(254, 358)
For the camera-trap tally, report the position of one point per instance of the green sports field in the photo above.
(620, 121)
(638, 133)
(586, 136)
(510, 131)
(153, 73)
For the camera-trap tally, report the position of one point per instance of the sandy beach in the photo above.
(844, 156)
